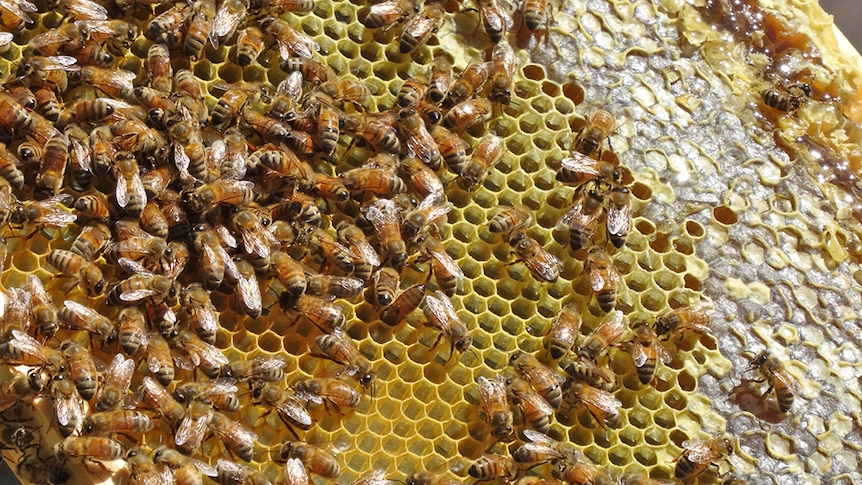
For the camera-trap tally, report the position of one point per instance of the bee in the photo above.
(470, 81)
(80, 159)
(495, 19)
(88, 448)
(52, 169)
(143, 470)
(337, 286)
(232, 102)
(9, 168)
(487, 153)
(214, 257)
(208, 358)
(698, 455)
(13, 14)
(586, 370)
(202, 16)
(534, 408)
(607, 334)
(220, 392)
(347, 89)
(365, 258)
(256, 239)
(603, 277)
(15, 116)
(203, 317)
(386, 282)
(440, 314)
(258, 368)
(544, 380)
(17, 310)
(231, 472)
(22, 349)
(48, 70)
(542, 264)
(619, 215)
(579, 169)
(328, 122)
(42, 307)
(159, 359)
(497, 413)
(47, 104)
(142, 285)
(419, 28)
(542, 448)
(131, 329)
(188, 147)
(646, 350)
(193, 427)
(82, 368)
(439, 77)
(386, 219)
(281, 6)
(230, 14)
(68, 404)
(335, 253)
(412, 91)
(133, 136)
(510, 219)
(601, 404)
(159, 70)
(581, 220)
(137, 248)
(786, 99)
(154, 221)
(582, 471)
(377, 130)
(166, 28)
(287, 95)
(468, 113)
(289, 272)
(404, 304)
(123, 421)
(76, 316)
(446, 270)
(420, 143)
(327, 391)
(249, 45)
(430, 478)
(86, 273)
(695, 317)
(188, 94)
(221, 192)
(429, 211)
(294, 473)
(118, 377)
(309, 68)
(320, 311)
(592, 137)
(773, 372)
(377, 181)
(388, 13)
(289, 406)
(491, 466)
(289, 40)
(155, 397)
(113, 82)
(186, 470)
(422, 179)
(453, 149)
(502, 72)
(315, 458)
(236, 437)
(340, 348)
(564, 331)
(535, 14)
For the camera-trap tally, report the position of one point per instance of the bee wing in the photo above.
(293, 410)
(582, 165)
(60, 63)
(444, 259)
(663, 353)
(615, 325)
(381, 213)
(489, 392)
(639, 357)
(225, 23)
(86, 10)
(539, 437)
(788, 380)
(221, 385)
(181, 158)
(700, 451)
(420, 27)
(600, 399)
(439, 313)
(133, 267)
(42, 40)
(597, 281)
(249, 291)
(120, 371)
(294, 472)
(619, 217)
(27, 345)
(362, 249)
(192, 430)
(69, 409)
(203, 467)
(546, 267)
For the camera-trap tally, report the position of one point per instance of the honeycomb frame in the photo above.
(711, 180)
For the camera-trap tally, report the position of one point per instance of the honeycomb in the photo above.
(749, 208)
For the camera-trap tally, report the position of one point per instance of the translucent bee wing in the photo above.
(639, 357)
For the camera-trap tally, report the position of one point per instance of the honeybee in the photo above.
(564, 331)
(52, 169)
(132, 329)
(773, 372)
(420, 143)
(22, 349)
(511, 218)
(159, 68)
(544, 380)
(230, 14)
(17, 310)
(423, 179)
(82, 368)
(470, 81)
(378, 130)
(440, 314)
(203, 317)
(311, 69)
(487, 153)
(412, 91)
(118, 377)
(155, 397)
(365, 258)
(232, 102)
(541, 263)
(68, 404)
(386, 219)
(404, 304)
(419, 28)
(646, 351)
(144, 471)
(281, 6)
(192, 429)
(88, 448)
(603, 277)
(619, 215)
(337, 286)
(322, 312)
(141, 286)
(495, 19)
(446, 270)
(698, 455)
(787, 99)
(153, 220)
(491, 466)
(601, 404)
(166, 27)
(76, 316)
(214, 257)
(535, 14)
(236, 437)
(220, 392)
(586, 370)
(543, 448)
(249, 45)
(389, 13)
(188, 94)
(591, 138)
(581, 220)
(42, 307)
(287, 95)
(607, 334)
(316, 459)
(374, 180)
(47, 104)
(579, 169)
(582, 471)
(452, 148)
(425, 477)
(231, 472)
(114, 82)
(208, 358)
(497, 413)
(695, 317)
(53, 211)
(9, 168)
(327, 391)
(13, 14)
(468, 113)
(256, 239)
(289, 40)
(502, 73)
(429, 211)
(200, 25)
(159, 359)
(294, 473)
(534, 408)
(289, 406)
(347, 89)
(86, 273)
(221, 192)
(258, 368)
(439, 77)
(340, 348)
(186, 470)
(80, 159)
(137, 248)
(123, 421)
